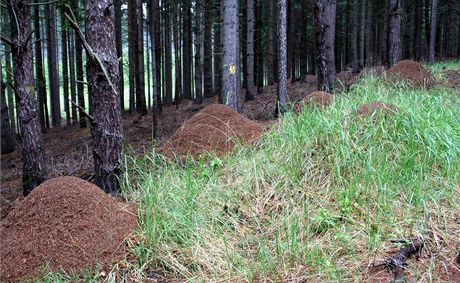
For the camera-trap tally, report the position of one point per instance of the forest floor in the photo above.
(321, 197)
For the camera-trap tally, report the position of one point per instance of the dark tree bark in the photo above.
(394, 38)
(434, 13)
(207, 49)
(324, 23)
(259, 60)
(362, 34)
(106, 129)
(52, 64)
(198, 44)
(119, 42)
(281, 102)
(187, 55)
(271, 54)
(9, 88)
(304, 41)
(40, 77)
(250, 51)
(369, 37)
(7, 136)
(417, 38)
(65, 67)
(405, 15)
(217, 50)
(73, 92)
(132, 53)
(152, 31)
(230, 60)
(34, 171)
(168, 54)
(177, 59)
(140, 76)
(156, 28)
(79, 69)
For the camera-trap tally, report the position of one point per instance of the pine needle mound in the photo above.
(317, 98)
(66, 224)
(215, 128)
(369, 109)
(411, 72)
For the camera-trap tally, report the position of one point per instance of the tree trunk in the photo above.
(394, 38)
(156, 28)
(230, 60)
(324, 23)
(434, 12)
(52, 65)
(168, 53)
(417, 43)
(7, 134)
(9, 88)
(218, 52)
(132, 54)
(106, 129)
(65, 67)
(34, 171)
(79, 69)
(304, 41)
(140, 76)
(258, 47)
(187, 55)
(177, 59)
(271, 70)
(198, 44)
(250, 51)
(40, 78)
(119, 43)
(151, 13)
(73, 92)
(282, 58)
(207, 49)
(369, 33)
(362, 34)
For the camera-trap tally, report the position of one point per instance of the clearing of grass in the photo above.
(320, 197)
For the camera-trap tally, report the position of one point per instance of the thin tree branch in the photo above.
(83, 110)
(6, 40)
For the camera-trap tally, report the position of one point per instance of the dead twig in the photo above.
(397, 262)
(83, 110)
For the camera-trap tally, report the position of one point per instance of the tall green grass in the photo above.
(317, 198)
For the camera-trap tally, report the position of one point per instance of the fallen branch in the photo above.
(397, 262)
(83, 110)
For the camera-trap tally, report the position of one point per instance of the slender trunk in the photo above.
(65, 67)
(250, 51)
(384, 41)
(52, 65)
(119, 45)
(40, 78)
(9, 88)
(303, 38)
(434, 11)
(198, 44)
(7, 134)
(218, 52)
(271, 54)
(417, 42)
(282, 58)
(230, 60)
(207, 49)
(394, 38)
(157, 33)
(292, 36)
(369, 33)
(132, 54)
(407, 24)
(34, 170)
(79, 69)
(151, 14)
(258, 47)
(73, 92)
(324, 23)
(106, 130)
(168, 55)
(362, 34)
(140, 76)
(177, 59)
(187, 55)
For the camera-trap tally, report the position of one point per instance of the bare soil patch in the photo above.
(216, 128)
(411, 72)
(319, 98)
(67, 223)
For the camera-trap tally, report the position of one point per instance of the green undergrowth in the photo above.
(318, 198)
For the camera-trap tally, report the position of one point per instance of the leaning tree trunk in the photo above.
(102, 74)
(324, 22)
(250, 51)
(394, 38)
(230, 61)
(282, 57)
(434, 12)
(34, 171)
